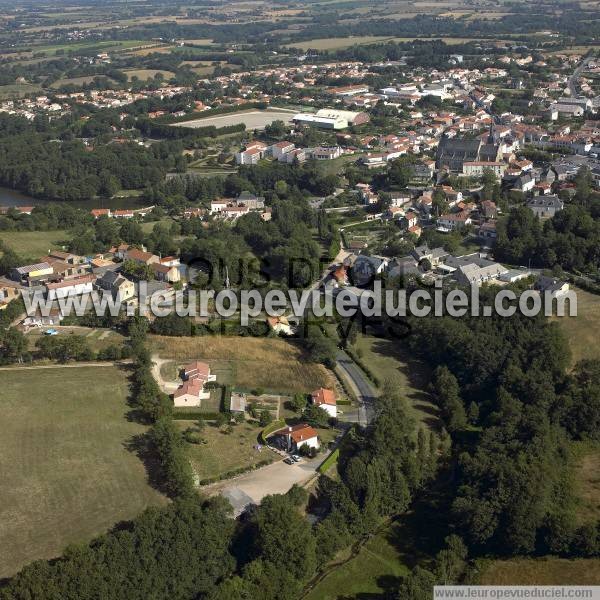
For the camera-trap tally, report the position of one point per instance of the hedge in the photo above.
(329, 461)
(226, 399)
(235, 472)
(269, 429)
(344, 402)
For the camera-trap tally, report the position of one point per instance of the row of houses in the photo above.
(284, 151)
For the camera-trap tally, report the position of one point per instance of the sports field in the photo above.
(67, 473)
(253, 119)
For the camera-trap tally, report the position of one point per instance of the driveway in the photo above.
(250, 488)
(168, 387)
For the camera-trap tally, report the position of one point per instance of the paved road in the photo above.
(363, 388)
(572, 82)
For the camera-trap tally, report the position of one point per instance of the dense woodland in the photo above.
(569, 241)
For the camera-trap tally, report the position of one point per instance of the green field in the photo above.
(340, 43)
(582, 330)
(67, 474)
(34, 244)
(96, 339)
(388, 361)
(543, 571)
(224, 452)
(144, 74)
(16, 90)
(368, 574)
(587, 481)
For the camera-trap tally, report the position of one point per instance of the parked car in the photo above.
(50, 332)
(288, 461)
(295, 458)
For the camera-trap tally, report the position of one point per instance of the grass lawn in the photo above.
(34, 244)
(370, 572)
(388, 361)
(271, 364)
(67, 475)
(587, 481)
(97, 339)
(224, 452)
(582, 330)
(543, 571)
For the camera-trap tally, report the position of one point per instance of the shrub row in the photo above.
(329, 461)
(236, 472)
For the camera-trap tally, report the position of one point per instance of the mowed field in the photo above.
(582, 330)
(254, 119)
(34, 244)
(543, 571)
(272, 364)
(66, 472)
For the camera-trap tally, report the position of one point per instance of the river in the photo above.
(10, 197)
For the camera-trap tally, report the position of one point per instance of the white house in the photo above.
(325, 399)
(70, 287)
(454, 221)
(217, 206)
(299, 435)
(281, 148)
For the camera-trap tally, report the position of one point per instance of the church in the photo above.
(452, 153)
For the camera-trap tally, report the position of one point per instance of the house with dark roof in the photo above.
(545, 207)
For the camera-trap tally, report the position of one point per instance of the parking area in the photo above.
(252, 487)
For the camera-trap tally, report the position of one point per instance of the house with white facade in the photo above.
(325, 399)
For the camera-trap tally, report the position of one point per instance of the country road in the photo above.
(364, 389)
(572, 82)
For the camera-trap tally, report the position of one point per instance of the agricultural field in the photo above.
(222, 452)
(543, 571)
(34, 244)
(252, 119)
(145, 74)
(582, 330)
(347, 42)
(67, 472)
(270, 364)
(77, 80)
(17, 90)
(389, 361)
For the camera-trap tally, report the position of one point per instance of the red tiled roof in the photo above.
(323, 396)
